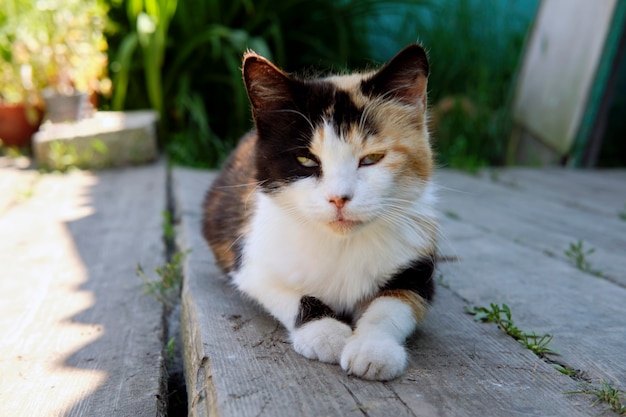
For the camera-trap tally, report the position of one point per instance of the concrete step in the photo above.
(104, 140)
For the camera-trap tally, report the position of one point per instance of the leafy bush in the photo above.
(183, 58)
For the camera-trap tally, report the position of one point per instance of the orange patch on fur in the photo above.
(418, 305)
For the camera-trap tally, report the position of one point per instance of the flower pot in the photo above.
(18, 123)
(63, 108)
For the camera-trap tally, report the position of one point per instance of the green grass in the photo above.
(613, 397)
(501, 315)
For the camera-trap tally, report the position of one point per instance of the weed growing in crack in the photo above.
(169, 232)
(622, 214)
(171, 278)
(568, 370)
(606, 393)
(170, 349)
(501, 315)
(579, 257)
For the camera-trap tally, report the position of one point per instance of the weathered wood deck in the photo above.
(81, 338)
(509, 230)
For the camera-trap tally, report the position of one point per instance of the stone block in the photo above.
(104, 140)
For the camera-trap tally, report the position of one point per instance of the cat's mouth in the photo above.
(343, 226)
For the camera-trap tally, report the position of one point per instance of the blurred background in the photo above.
(182, 58)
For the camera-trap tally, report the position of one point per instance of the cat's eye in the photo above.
(307, 162)
(371, 159)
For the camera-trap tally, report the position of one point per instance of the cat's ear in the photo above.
(404, 77)
(269, 88)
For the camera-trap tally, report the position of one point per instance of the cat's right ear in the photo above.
(269, 88)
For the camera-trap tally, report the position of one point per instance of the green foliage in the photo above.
(52, 44)
(195, 48)
(501, 315)
(183, 58)
(64, 156)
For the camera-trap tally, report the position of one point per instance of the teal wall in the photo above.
(491, 20)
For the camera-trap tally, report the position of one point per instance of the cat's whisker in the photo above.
(255, 183)
(298, 113)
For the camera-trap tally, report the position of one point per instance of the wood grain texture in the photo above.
(239, 361)
(80, 337)
(511, 235)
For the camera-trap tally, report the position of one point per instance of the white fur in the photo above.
(376, 350)
(291, 251)
(322, 339)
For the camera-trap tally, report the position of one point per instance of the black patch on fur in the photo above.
(311, 309)
(286, 133)
(344, 113)
(417, 278)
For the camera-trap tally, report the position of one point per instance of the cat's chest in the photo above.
(340, 270)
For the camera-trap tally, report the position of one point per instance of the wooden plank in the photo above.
(501, 236)
(545, 224)
(600, 192)
(80, 337)
(239, 362)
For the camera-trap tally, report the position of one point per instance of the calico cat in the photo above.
(324, 214)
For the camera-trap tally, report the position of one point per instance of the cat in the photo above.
(324, 213)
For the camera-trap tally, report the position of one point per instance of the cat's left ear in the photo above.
(404, 77)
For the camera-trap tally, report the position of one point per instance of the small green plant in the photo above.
(171, 277)
(567, 370)
(613, 397)
(579, 257)
(501, 315)
(170, 349)
(169, 232)
(452, 215)
(622, 214)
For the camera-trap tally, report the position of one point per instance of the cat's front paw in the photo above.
(374, 358)
(322, 339)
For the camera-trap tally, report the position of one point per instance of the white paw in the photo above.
(322, 339)
(374, 358)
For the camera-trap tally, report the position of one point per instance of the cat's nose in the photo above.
(339, 201)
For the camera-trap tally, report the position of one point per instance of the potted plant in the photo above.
(63, 44)
(20, 105)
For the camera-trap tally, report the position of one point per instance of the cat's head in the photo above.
(343, 151)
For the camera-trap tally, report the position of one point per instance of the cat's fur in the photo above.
(324, 214)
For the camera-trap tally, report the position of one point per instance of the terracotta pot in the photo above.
(15, 127)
